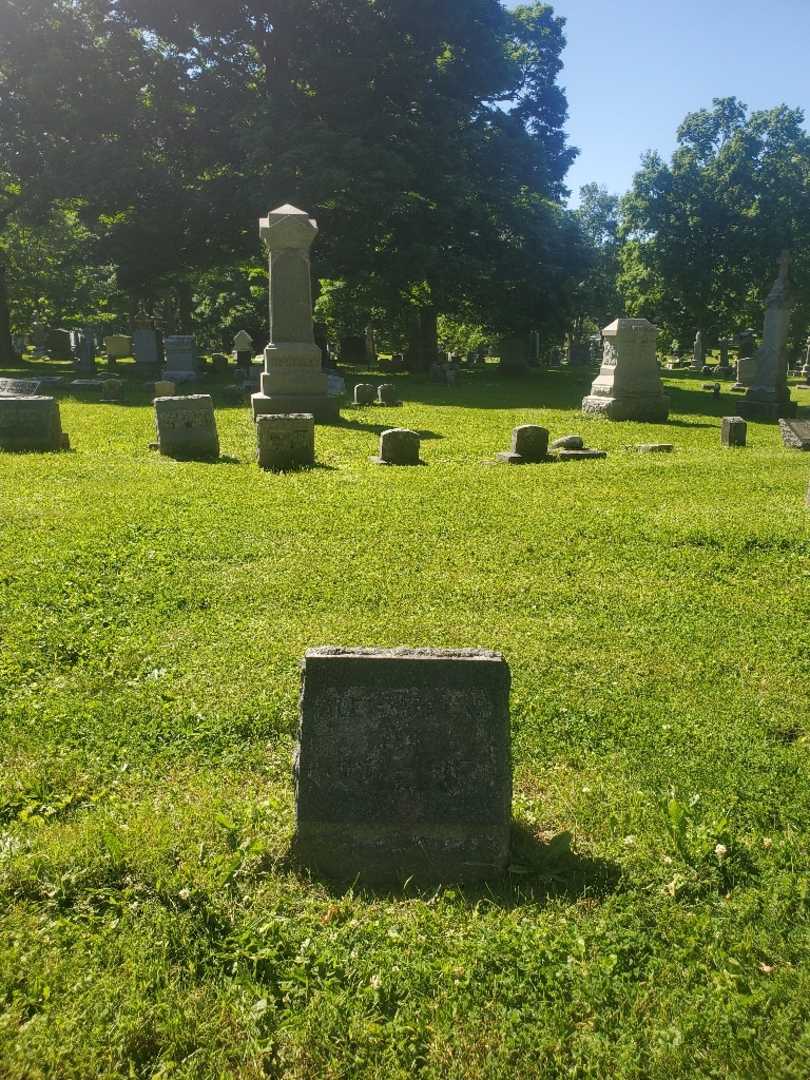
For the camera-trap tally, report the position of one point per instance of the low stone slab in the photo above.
(569, 442)
(285, 441)
(31, 423)
(733, 431)
(795, 434)
(580, 455)
(654, 448)
(398, 446)
(186, 428)
(403, 764)
(19, 387)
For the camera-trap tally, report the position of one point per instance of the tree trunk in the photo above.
(185, 307)
(7, 355)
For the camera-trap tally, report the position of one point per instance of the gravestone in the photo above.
(733, 431)
(285, 441)
(387, 394)
(31, 422)
(219, 364)
(795, 434)
(746, 360)
(724, 368)
(243, 347)
(698, 353)
(529, 446)
(628, 386)
(85, 354)
(57, 345)
(19, 387)
(363, 394)
(769, 397)
(293, 381)
(146, 348)
(403, 764)
(117, 346)
(182, 359)
(398, 446)
(514, 353)
(186, 428)
(163, 388)
(805, 372)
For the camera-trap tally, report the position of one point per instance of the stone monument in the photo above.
(403, 764)
(186, 428)
(363, 394)
(698, 353)
(398, 446)
(85, 354)
(31, 422)
(285, 441)
(182, 360)
(243, 348)
(117, 346)
(628, 386)
(146, 345)
(292, 381)
(769, 398)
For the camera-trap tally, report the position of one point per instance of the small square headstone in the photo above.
(403, 764)
(398, 446)
(285, 441)
(186, 427)
(31, 423)
(733, 431)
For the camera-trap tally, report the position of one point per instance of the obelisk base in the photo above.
(753, 407)
(645, 408)
(325, 409)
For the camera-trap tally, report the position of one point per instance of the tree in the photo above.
(703, 234)
(598, 301)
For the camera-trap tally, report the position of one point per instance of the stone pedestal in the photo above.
(628, 386)
(31, 422)
(285, 441)
(403, 764)
(292, 381)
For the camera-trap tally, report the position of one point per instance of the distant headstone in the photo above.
(243, 347)
(182, 359)
(285, 441)
(514, 351)
(628, 386)
(117, 346)
(219, 364)
(795, 434)
(293, 380)
(146, 348)
(733, 431)
(806, 366)
(85, 354)
(163, 388)
(363, 394)
(768, 398)
(698, 353)
(186, 427)
(403, 764)
(569, 442)
(19, 387)
(31, 422)
(57, 345)
(387, 394)
(529, 446)
(398, 446)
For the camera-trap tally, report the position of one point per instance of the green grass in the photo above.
(654, 611)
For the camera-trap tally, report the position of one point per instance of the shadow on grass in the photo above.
(538, 872)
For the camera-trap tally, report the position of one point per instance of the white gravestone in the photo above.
(292, 381)
(628, 386)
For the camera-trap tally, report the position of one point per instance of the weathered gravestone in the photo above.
(292, 380)
(117, 346)
(57, 345)
(398, 446)
(363, 394)
(163, 388)
(403, 765)
(285, 441)
(146, 348)
(182, 359)
(628, 386)
(19, 387)
(795, 434)
(768, 398)
(186, 428)
(387, 395)
(733, 431)
(243, 347)
(31, 423)
(698, 353)
(529, 445)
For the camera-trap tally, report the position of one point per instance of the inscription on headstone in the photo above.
(403, 764)
(186, 427)
(285, 441)
(19, 387)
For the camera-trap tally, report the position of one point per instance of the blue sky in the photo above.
(634, 69)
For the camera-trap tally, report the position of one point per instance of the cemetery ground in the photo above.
(654, 611)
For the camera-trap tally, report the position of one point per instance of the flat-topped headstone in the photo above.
(364, 394)
(285, 441)
(182, 359)
(795, 434)
(117, 346)
(628, 386)
(398, 446)
(31, 422)
(19, 387)
(146, 347)
(733, 431)
(403, 764)
(529, 446)
(186, 427)
(57, 345)
(164, 388)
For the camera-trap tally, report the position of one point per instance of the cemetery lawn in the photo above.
(655, 612)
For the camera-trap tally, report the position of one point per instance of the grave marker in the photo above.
(186, 427)
(31, 422)
(285, 441)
